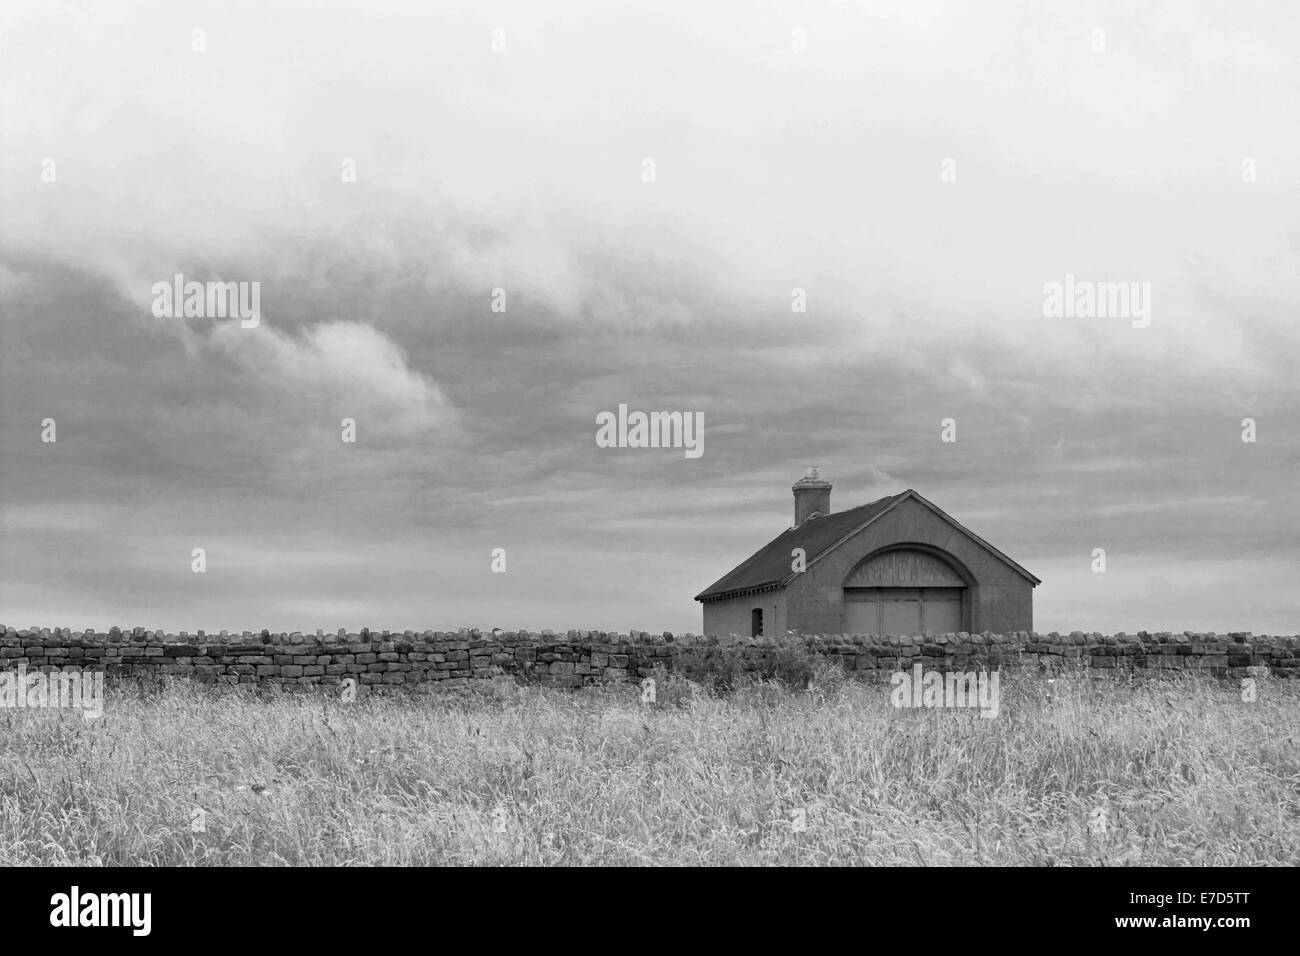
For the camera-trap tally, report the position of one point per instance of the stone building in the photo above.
(898, 565)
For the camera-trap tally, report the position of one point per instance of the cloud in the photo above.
(11, 282)
(353, 362)
(818, 170)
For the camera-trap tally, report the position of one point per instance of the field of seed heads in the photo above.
(1079, 770)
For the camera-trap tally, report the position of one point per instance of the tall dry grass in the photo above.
(1185, 771)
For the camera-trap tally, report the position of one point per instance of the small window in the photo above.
(756, 622)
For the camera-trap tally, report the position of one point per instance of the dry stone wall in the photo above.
(437, 659)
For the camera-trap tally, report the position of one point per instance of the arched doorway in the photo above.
(906, 590)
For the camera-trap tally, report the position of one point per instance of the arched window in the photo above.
(756, 622)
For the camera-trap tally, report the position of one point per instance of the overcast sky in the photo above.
(1164, 150)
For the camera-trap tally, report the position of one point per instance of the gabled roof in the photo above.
(769, 567)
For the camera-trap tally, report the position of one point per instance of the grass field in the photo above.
(1076, 772)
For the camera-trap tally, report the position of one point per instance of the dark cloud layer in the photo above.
(476, 428)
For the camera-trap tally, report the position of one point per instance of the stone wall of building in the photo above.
(434, 659)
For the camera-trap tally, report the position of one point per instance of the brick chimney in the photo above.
(812, 493)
